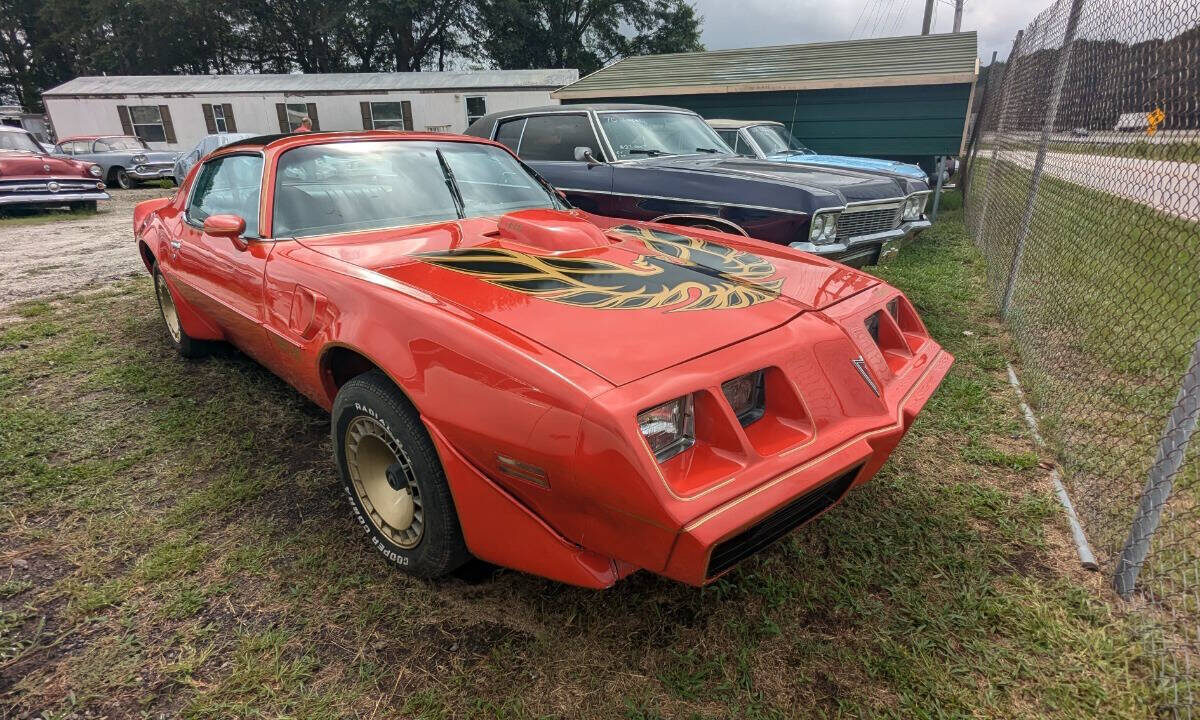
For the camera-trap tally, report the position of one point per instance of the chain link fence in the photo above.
(1083, 192)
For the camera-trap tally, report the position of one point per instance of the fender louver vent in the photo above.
(779, 523)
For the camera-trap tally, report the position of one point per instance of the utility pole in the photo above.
(958, 7)
(928, 17)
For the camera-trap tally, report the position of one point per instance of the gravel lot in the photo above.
(71, 254)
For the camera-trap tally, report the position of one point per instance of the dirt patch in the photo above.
(67, 255)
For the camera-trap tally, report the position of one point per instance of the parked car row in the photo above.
(579, 380)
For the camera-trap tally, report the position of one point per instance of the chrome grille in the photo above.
(852, 223)
(39, 187)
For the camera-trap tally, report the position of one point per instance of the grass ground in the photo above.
(1106, 314)
(176, 543)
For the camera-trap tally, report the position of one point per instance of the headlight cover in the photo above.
(745, 395)
(96, 171)
(670, 428)
(823, 228)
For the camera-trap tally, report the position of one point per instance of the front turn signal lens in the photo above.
(669, 428)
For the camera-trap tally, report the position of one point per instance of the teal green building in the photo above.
(902, 98)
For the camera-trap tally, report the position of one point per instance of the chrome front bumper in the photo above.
(59, 198)
(151, 172)
(867, 249)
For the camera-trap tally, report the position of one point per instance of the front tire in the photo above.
(119, 177)
(184, 344)
(391, 473)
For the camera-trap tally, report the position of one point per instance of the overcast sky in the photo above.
(749, 23)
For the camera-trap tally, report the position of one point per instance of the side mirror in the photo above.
(584, 154)
(226, 225)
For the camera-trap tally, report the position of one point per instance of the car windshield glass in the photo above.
(776, 140)
(119, 143)
(341, 187)
(18, 141)
(652, 134)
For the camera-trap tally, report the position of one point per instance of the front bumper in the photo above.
(152, 172)
(714, 542)
(53, 199)
(870, 249)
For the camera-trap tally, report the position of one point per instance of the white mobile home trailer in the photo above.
(175, 111)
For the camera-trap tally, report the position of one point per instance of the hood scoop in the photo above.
(551, 231)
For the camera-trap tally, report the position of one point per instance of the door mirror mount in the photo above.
(584, 154)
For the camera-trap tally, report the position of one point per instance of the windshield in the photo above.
(18, 141)
(776, 140)
(119, 143)
(341, 187)
(651, 134)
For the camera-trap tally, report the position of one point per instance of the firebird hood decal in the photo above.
(684, 273)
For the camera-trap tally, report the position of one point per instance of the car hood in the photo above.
(28, 164)
(859, 163)
(624, 302)
(851, 185)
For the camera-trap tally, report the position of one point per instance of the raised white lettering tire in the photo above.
(391, 473)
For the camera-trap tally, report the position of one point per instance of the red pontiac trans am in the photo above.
(569, 395)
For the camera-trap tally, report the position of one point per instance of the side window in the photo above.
(509, 134)
(729, 136)
(64, 148)
(741, 147)
(228, 185)
(555, 137)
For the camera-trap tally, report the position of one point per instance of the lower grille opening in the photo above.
(779, 523)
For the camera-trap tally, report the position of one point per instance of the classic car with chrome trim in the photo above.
(770, 140)
(514, 379)
(125, 159)
(31, 178)
(664, 164)
(207, 144)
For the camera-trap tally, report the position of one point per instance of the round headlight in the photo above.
(96, 171)
(138, 159)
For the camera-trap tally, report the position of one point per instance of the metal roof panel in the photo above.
(913, 59)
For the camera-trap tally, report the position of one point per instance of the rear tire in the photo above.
(391, 473)
(185, 345)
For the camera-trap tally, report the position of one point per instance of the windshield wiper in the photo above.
(713, 151)
(644, 151)
(459, 206)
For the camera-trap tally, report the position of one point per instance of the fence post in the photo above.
(1060, 78)
(1172, 448)
(937, 194)
(988, 189)
(972, 144)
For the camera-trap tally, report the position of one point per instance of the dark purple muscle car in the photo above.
(664, 164)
